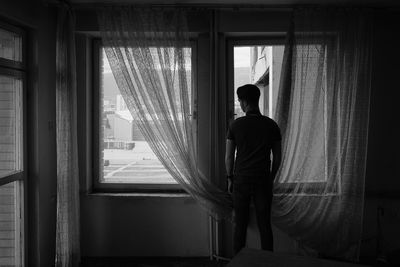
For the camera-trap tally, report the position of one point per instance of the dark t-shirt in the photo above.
(254, 136)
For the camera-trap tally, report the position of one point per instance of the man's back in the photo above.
(249, 174)
(254, 136)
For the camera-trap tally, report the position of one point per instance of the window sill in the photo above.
(139, 195)
(307, 194)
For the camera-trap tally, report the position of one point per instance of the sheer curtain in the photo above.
(322, 109)
(67, 229)
(150, 57)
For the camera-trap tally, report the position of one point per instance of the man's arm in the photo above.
(276, 158)
(230, 161)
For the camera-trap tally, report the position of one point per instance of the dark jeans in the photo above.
(262, 198)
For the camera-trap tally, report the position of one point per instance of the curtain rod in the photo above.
(207, 6)
(188, 6)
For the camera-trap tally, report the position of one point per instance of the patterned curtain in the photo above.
(67, 231)
(149, 54)
(323, 112)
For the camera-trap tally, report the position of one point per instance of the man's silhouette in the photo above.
(250, 174)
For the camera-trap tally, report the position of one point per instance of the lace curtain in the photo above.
(322, 109)
(150, 57)
(67, 228)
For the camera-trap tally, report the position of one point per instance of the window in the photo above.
(308, 79)
(12, 144)
(123, 159)
(259, 62)
(317, 105)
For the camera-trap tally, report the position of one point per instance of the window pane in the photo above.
(10, 45)
(10, 225)
(125, 155)
(310, 104)
(10, 125)
(259, 65)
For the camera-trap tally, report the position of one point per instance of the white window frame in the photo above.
(102, 187)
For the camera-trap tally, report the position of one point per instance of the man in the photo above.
(251, 174)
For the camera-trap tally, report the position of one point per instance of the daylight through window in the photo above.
(259, 65)
(126, 157)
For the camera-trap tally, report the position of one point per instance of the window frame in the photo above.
(18, 175)
(19, 70)
(315, 188)
(285, 187)
(101, 187)
(8, 63)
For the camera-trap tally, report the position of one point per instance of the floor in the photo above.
(151, 262)
(178, 262)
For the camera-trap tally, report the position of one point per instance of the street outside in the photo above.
(139, 165)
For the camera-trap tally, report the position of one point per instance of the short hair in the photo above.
(249, 93)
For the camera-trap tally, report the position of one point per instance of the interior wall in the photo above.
(44, 172)
(113, 226)
(23, 12)
(382, 184)
(143, 227)
(383, 157)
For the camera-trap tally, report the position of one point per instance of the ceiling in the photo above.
(388, 3)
